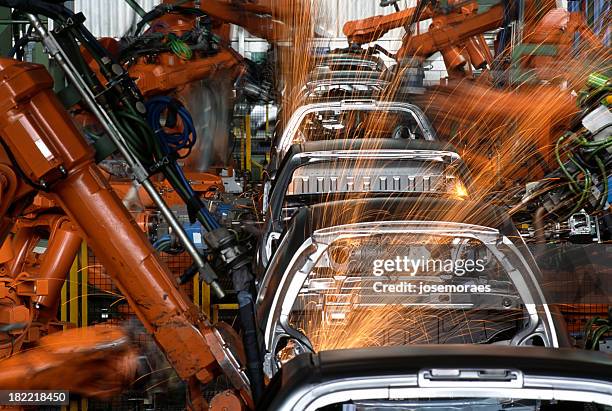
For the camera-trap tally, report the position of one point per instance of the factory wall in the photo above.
(330, 17)
(332, 14)
(113, 17)
(110, 18)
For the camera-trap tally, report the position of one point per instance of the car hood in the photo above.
(434, 371)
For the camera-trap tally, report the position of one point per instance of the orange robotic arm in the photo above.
(373, 28)
(43, 148)
(462, 25)
(96, 362)
(458, 33)
(257, 19)
(272, 21)
(449, 30)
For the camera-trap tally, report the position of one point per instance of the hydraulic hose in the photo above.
(171, 143)
(246, 313)
(19, 44)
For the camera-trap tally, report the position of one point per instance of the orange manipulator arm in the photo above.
(373, 28)
(448, 31)
(258, 19)
(50, 150)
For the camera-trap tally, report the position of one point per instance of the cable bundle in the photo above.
(172, 142)
(167, 109)
(179, 47)
(595, 329)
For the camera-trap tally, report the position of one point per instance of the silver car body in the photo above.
(287, 139)
(416, 172)
(294, 280)
(428, 378)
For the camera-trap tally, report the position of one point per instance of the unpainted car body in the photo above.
(320, 288)
(349, 119)
(314, 172)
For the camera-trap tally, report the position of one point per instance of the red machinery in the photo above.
(43, 152)
(168, 73)
(203, 80)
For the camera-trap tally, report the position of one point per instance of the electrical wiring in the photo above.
(533, 196)
(17, 49)
(55, 11)
(595, 328)
(583, 155)
(162, 241)
(171, 143)
(159, 38)
(587, 182)
(602, 146)
(164, 244)
(583, 161)
(201, 40)
(179, 47)
(581, 180)
(18, 168)
(573, 183)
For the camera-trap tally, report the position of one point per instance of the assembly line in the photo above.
(375, 241)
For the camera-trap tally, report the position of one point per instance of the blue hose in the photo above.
(161, 241)
(172, 143)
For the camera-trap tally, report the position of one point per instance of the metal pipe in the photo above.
(134, 5)
(64, 244)
(11, 21)
(56, 51)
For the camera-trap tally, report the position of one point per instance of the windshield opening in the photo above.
(338, 124)
(391, 289)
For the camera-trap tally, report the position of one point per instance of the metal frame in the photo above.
(525, 281)
(286, 140)
(274, 196)
(408, 387)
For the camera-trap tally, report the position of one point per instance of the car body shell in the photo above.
(314, 228)
(364, 164)
(285, 134)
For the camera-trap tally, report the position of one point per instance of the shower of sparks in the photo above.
(506, 135)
